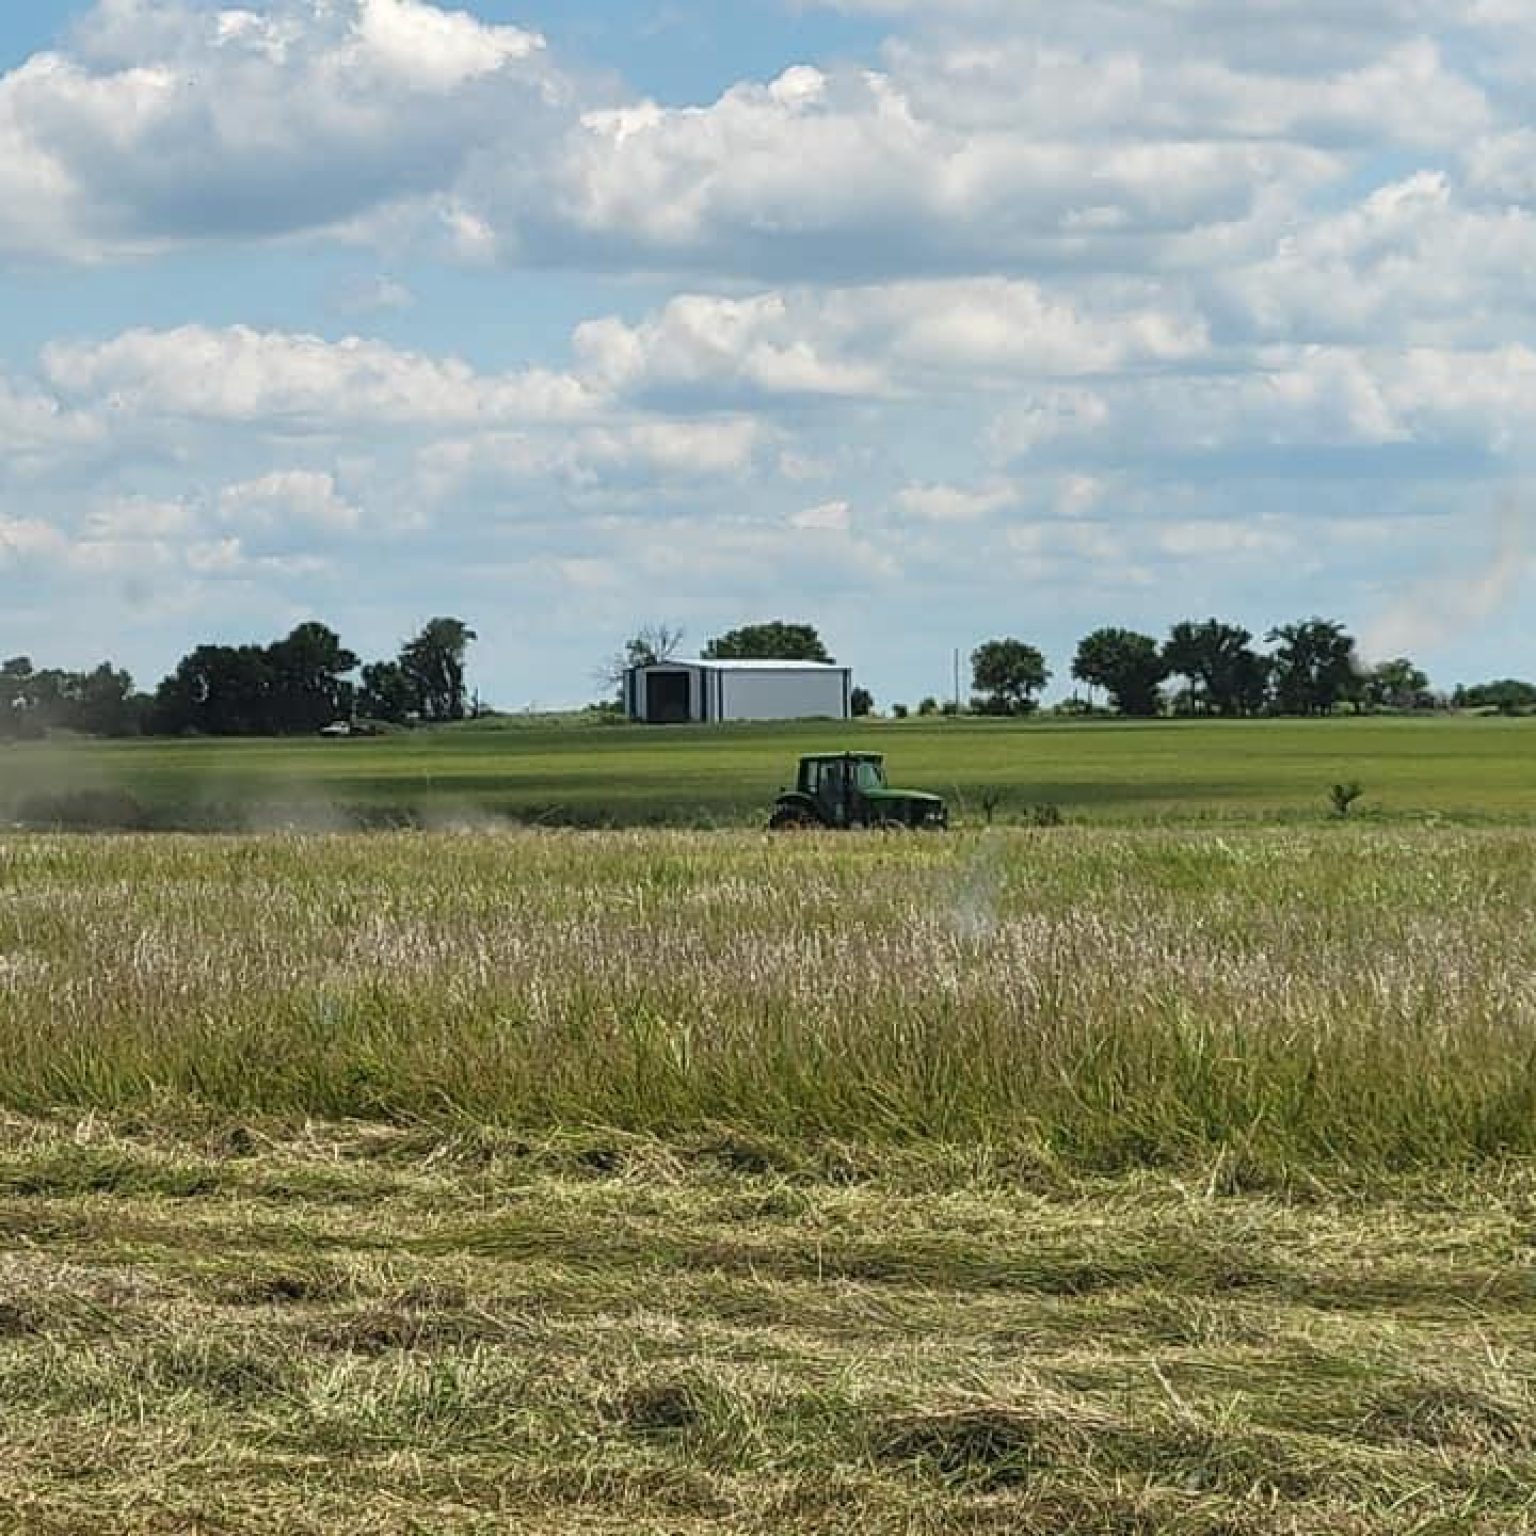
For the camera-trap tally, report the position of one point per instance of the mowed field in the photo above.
(1467, 769)
(1103, 1179)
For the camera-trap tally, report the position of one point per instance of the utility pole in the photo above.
(957, 679)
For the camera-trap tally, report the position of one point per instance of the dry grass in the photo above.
(379, 1331)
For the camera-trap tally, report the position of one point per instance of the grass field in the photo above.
(1088, 1179)
(1171, 1170)
(1464, 769)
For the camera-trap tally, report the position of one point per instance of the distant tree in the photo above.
(861, 702)
(927, 705)
(307, 687)
(103, 703)
(291, 687)
(15, 673)
(1127, 665)
(216, 690)
(1397, 684)
(650, 644)
(433, 664)
(1006, 675)
(1507, 694)
(773, 641)
(1226, 676)
(386, 693)
(1314, 666)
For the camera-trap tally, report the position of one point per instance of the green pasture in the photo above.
(561, 773)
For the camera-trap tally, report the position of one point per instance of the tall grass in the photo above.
(1280, 999)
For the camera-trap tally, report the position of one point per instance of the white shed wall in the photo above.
(783, 695)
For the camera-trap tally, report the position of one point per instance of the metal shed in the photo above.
(709, 692)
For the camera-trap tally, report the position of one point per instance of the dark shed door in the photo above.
(667, 697)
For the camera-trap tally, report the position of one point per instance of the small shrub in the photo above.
(1043, 815)
(899, 711)
(1343, 796)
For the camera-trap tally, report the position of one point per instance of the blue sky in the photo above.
(921, 322)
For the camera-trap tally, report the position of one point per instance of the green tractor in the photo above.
(848, 789)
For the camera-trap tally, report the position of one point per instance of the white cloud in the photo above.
(273, 379)
(875, 341)
(1474, 399)
(175, 123)
(138, 519)
(32, 422)
(431, 50)
(1411, 261)
(956, 504)
(750, 344)
(28, 538)
(829, 516)
(852, 178)
(1042, 82)
(306, 498)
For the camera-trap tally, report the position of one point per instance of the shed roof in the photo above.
(727, 665)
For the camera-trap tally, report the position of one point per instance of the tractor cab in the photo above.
(840, 786)
(849, 789)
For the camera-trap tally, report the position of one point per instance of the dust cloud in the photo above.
(1432, 611)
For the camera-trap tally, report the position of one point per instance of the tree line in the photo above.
(297, 685)
(1207, 667)
(308, 680)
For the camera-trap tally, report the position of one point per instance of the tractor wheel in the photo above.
(792, 818)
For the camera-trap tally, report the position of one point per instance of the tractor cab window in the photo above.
(870, 776)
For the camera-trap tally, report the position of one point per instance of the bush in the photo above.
(898, 711)
(1043, 815)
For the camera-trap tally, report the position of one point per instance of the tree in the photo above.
(1314, 666)
(307, 688)
(386, 693)
(103, 703)
(861, 702)
(1397, 684)
(216, 690)
(433, 664)
(1507, 694)
(1226, 676)
(291, 687)
(1129, 666)
(15, 674)
(773, 641)
(1007, 674)
(650, 644)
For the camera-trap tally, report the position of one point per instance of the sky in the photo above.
(921, 321)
